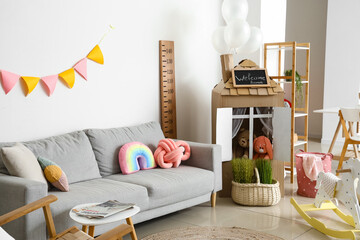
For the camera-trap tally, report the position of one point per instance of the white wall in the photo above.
(342, 60)
(273, 22)
(41, 37)
(306, 22)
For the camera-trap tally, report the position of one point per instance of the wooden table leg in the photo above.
(84, 228)
(133, 233)
(91, 231)
(335, 136)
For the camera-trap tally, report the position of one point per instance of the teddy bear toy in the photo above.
(243, 142)
(263, 148)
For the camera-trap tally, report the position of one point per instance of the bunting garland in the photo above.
(68, 77)
(96, 55)
(9, 79)
(30, 83)
(50, 83)
(81, 68)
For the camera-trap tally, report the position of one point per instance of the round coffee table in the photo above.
(92, 222)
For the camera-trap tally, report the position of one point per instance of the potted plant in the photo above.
(253, 184)
(298, 85)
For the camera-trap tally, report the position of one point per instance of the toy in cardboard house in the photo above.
(248, 90)
(241, 144)
(263, 148)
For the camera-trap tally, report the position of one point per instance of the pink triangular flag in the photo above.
(81, 68)
(8, 80)
(50, 83)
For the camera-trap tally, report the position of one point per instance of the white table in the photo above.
(328, 110)
(92, 222)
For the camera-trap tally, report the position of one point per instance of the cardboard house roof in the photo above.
(227, 88)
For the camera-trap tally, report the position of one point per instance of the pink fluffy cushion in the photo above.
(135, 156)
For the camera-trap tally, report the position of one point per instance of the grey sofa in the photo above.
(90, 160)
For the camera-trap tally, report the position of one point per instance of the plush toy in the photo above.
(263, 148)
(243, 141)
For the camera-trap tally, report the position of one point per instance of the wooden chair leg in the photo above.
(213, 199)
(343, 152)
(351, 131)
(335, 136)
(116, 233)
(356, 151)
(49, 221)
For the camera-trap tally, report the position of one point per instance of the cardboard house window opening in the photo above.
(256, 120)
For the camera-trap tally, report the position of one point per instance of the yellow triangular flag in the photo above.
(68, 77)
(30, 83)
(96, 55)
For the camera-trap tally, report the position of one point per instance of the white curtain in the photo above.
(237, 122)
(267, 128)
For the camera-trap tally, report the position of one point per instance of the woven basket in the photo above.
(256, 194)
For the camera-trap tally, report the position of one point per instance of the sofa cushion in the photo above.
(3, 169)
(95, 191)
(54, 174)
(72, 152)
(172, 185)
(21, 162)
(135, 156)
(106, 143)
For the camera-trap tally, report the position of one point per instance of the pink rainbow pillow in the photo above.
(135, 156)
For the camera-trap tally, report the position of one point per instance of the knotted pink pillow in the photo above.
(170, 153)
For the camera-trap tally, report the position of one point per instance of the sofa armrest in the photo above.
(16, 192)
(206, 156)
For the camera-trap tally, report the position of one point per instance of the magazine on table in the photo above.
(102, 210)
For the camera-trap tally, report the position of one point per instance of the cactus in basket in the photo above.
(265, 170)
(243, 170)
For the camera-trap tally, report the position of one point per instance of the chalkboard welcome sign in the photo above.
(246, 77)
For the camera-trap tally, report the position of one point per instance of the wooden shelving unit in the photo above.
(280, 78)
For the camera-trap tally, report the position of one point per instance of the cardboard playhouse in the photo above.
(244, 86)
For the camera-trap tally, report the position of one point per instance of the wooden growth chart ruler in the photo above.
(167, 88)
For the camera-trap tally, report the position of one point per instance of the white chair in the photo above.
(351, 116)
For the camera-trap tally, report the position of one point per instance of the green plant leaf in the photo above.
(265, 170)
(299, 85)
(243, 170)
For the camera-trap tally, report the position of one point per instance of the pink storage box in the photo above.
(306, 187)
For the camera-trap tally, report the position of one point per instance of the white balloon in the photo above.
(234, 9)
(254, 42)
(218, 41)
(237, 33)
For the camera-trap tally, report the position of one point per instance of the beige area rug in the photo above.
(205, 233)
